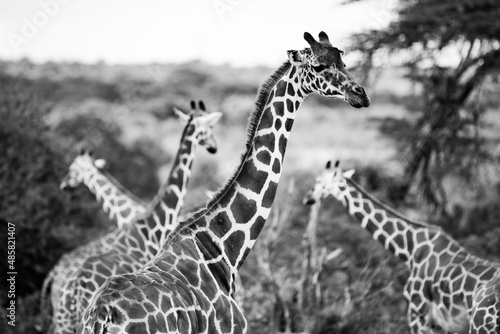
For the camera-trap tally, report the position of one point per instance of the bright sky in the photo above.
(239, 32)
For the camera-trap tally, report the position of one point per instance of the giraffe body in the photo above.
(167, 301)
(444, 277)
(443, 280)
(190, 283)
(122, 207)
(138, 242)
(486, 309)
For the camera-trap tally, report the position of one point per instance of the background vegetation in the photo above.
(124, 113)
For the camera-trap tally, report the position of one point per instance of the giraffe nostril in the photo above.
(212, 149)
(308, 199)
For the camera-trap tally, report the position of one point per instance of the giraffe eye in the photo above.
(319, 68)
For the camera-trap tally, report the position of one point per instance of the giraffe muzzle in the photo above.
(308, 199)
(357, 98)
(360, 104)
(66, 186)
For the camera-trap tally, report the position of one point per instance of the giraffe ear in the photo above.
(182, 116)
(213, 117)
(295, 57)
(348, 173)
(100, 163)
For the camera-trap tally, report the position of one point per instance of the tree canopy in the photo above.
(450, 47)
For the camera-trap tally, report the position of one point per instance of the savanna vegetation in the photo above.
(124, 113)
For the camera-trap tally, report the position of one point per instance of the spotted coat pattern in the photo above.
(486, 308)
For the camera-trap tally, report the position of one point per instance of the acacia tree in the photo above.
(446, 138)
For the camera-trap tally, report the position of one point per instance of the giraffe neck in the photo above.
(121, 204)
(411, 241)
(395, 234)
(225, 231)
(168, 202)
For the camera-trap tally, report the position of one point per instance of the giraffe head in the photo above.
(331, 181)
(201, 123)
(82, 167)
(323, 72)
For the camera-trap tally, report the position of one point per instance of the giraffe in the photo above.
(138, 242)
(443, 277)
(188, 286)
(486, 308)
(122, 206)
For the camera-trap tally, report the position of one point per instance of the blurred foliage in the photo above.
(436, 24)
(48, 222)
(47, 225)
(77, 89)
(446, 139)
(29, 197)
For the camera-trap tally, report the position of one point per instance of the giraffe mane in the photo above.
(260, 103)
(252, 124)
(388, 208)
